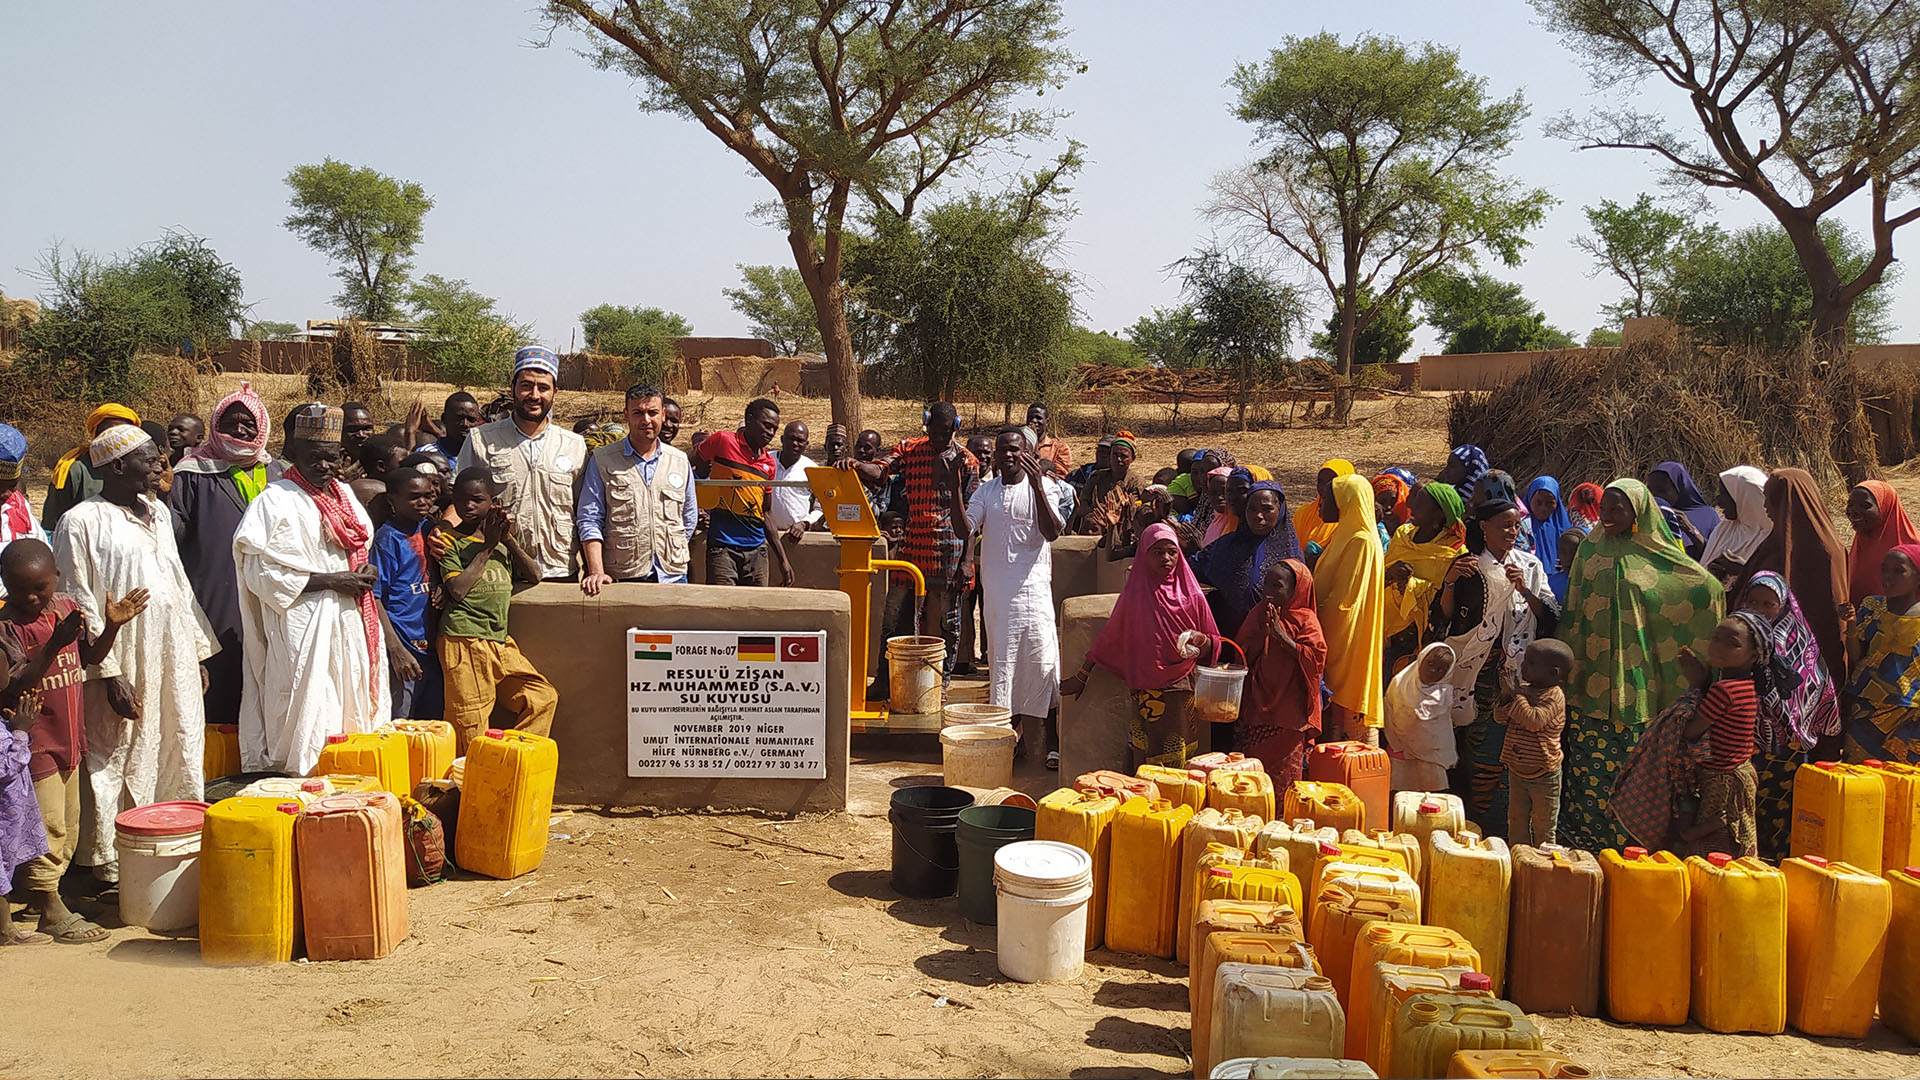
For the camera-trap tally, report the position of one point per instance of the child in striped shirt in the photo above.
(1739, 649)
(1535, 716)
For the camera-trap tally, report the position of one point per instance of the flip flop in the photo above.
(26, 937)
(77, 931)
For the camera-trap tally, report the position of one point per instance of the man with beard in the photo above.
(537, 467)
(315, 646)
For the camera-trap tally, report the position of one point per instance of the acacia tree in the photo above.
(777, 306)
(1638, 244)
(831, 99)
(1377, 167)
(1243, 317)
(1801, 104)
(366, 221)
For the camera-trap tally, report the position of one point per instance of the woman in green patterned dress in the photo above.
(1633, 602)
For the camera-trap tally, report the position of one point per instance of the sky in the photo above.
(554, 192)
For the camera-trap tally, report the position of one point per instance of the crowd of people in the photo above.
(1599, 666)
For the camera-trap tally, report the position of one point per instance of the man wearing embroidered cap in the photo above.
(16, 514)
(145, 724)
(73, 479)
(314, 644)
(537, 467)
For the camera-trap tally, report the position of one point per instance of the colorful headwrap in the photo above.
(1406, 476)
(536, 358)
(1123, 437)
(1584, 502)
(1396, 491)
(13, 450)
(1473, 461)
(116, 442)
(99, 416)
(1451, 504)
(224, 450)
(1340, 466)
(317, 423)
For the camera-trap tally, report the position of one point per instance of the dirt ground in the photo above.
(728, 945)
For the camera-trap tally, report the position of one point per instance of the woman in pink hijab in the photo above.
(1159, 627)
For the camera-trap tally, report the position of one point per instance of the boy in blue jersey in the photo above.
(405, 595)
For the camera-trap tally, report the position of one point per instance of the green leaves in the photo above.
(468, 342)
(778, 307)
(366, 221)
(643, 335)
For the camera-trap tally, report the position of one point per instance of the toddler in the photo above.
(1535, 715)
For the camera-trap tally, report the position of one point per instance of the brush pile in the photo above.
(1619, 412)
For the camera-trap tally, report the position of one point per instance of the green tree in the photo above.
(468, 342)
(968, 294)
(775, 301)
(175, 294)
(1080, 345)
(268, 330)
(1638, 244)
(1244, 318)
(644, 336)
(1747, 287)
(1477, 312)
(366, 221)
(1386, 339)
(1801, 104)
(1378, 165)
(832, 99)
(1167, 336)
(1603, 337)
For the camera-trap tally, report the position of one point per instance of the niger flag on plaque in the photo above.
(756, 649)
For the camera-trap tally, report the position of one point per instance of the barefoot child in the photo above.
(1739, 651)
(400, 554)
(1535, 716)
(481, 664)
(45, 647)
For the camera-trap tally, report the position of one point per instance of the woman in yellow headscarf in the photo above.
(73, 481)
(1314, 521)
(1349, 582)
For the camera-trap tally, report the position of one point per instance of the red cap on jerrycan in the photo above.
(1719, 859)
(288, 808)
(336, 738)
(1475, 980)
(1636, 853)
(496, 733)
(1815, 860)
(1429, 807)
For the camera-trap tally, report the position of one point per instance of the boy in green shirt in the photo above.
(481, 663)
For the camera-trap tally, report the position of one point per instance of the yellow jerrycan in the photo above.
(1839, 813)
(1471, 889)
(1397, 946)
(1739, 945)
(1144, 883)
(249, 891)
(1085, 820)
(1230, 828)
(1649, 939)
(1837, 919)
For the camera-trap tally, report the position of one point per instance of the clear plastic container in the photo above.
(1216, 690)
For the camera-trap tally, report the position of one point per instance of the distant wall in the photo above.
(1482, 371)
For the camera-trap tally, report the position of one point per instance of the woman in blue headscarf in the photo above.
(1548, 516)
(1673, 486)
(1464, 468)
(1234, 563)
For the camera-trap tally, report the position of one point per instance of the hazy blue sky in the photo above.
(554, 193)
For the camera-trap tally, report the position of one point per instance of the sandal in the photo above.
(76, 931)
(1053, 760)
(26, 937)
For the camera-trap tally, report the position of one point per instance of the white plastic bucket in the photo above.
(913, 675)
(1041, 892)
(160, 871)
(977, 755)
(973, 712)
(1216, 694)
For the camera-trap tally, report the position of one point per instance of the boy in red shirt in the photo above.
(45, 649)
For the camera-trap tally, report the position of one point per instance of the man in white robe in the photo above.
(316, 661)
(1016, 579)
(145, 719)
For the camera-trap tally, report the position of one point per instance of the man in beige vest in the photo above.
(536, 466)
(637, 510)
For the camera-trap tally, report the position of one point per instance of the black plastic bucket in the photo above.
(926, 861)
(984, 830)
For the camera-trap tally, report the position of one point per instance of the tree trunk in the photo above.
(1343, 376)
(821, 274)
(1830, 313)
(1243, 393)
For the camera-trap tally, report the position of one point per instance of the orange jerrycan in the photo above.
(1344, 906)
(353, 876)
(1900, 842)
(1085, 820)
(1229, 828)
(1365, 770)
(1244, 790)
(1837, 919)
(1839, 813)
(1187, 787)
(1900, 974)
(249, 897)
(1517, 1064)
(1222, 884)
(1396, 947)
(1356, 854)
(1144, 889)
(1328, 805)
(1557, 931)
(1265, 1011)
(1298, 842)
(1434, 1027)
(1117, 784)
(1739, 945)
(221, 754)
(379, 754)
(429, 749)
(505, 801)
(1471, 883)
(1392, 986)
(1269, 950)
(1210, 763)
(1649, 941)
(1240, 917)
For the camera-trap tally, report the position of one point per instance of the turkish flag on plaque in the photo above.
(800, 650)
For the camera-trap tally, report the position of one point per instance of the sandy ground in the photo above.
(705, 945)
